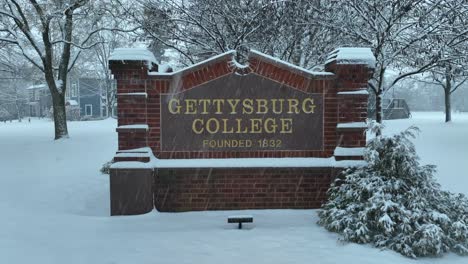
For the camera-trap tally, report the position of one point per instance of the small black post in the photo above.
(240, 225)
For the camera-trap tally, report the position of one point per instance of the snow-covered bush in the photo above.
(105, 169)
(4, 114)
(396, 203)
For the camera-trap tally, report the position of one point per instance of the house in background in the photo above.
(86, 97)
(90, 95)
(39, 100)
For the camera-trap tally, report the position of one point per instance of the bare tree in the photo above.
(451, 43)
(198, 29)
(14, 76)
(48, 36)
(397, 32)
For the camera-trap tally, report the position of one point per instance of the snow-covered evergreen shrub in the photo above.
(396, 203)
(105, 169)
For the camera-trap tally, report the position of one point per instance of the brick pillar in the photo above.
(353, 68)
(131, 76)
(131, 183)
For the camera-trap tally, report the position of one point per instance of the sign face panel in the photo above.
(241, 113)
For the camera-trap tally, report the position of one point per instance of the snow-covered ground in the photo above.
(54, 206)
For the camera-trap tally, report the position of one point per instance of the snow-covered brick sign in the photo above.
(221, 135)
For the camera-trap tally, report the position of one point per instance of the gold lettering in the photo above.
(233, 105)
(247, 105)
(219, 103)
(272, 127)
(262, 104)
(286, 125)
(255, 127)
(190, 106)
(194, 126)
(293, 103)
(274, 105)
(239, 125)
(216, 124)
(225, 125)
(177, 106)
(205, 103)
(308, 108)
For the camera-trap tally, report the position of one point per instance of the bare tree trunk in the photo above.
(448, 106)
(378, 96)
(378, 107)
(60, 116)
(18, 110)
(109, 99)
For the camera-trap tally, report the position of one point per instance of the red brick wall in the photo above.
(235, 188)
(132, 78)
(240, 188)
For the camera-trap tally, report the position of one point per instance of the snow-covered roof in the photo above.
(357, 92)
(209, 60)
(39, 86)
(132, 54)
(287, 64)
(233, 62)
(73, 102)
(352, 56)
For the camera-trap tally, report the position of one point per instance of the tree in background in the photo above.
(397, 32)
(199, 29)
(15, 76)
(51, 35)
(451, 43)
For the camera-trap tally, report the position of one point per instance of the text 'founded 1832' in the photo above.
(241, 113)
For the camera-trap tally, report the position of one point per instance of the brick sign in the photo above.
(243, 113)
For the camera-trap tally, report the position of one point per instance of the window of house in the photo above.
(88, 110)
(37, 95)
(74, 90)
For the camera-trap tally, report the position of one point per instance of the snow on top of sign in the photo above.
(133, 94)
(140, 126)
(244, 163)
(340, 151)
(132, 155)
(352, 125)
(237, 163)
(231, 162)
(133, 54)
(137, 150)
(289, 64)
(362, 91)
(352, 56)
(132, 165)
(238, 65)
(239, 216)
(194, 65)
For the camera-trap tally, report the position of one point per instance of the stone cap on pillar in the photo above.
(133, 56)
(360, 56)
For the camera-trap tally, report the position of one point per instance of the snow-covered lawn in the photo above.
(54, 206)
